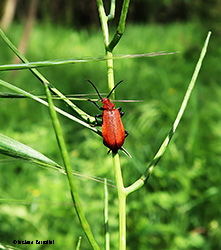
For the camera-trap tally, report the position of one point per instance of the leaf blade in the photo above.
(18, 150)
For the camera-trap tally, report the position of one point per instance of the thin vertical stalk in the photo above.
(110, 73)
(112, 10)
(105, 31)
(107, 234)
(110, 77)
(103, 20)
(122, 202)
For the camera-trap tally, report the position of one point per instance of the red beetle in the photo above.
(112, 127)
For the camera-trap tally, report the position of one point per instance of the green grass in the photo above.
(180, 200)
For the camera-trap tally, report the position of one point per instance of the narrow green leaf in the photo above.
(18, 150)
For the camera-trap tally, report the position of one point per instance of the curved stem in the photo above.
(140, 182)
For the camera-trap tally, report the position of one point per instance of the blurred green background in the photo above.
(179, 207)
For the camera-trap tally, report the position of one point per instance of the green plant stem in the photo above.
(140, 182)
(110, 74)
(106, 227)
(66, 160)
(103, 20)
(110, 77)
(112, 10)
(122, 202)
(105, 31)
(78, 244)
(121, 26)
(120, 30)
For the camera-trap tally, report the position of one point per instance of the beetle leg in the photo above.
(97, 116)
(97, 122)
(101, 108)
(126, 133)
(121, 113)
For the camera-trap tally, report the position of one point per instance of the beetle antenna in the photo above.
(95, 88)
(114, 88)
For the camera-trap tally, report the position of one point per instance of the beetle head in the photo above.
(107, 104)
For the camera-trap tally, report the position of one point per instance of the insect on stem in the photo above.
(112, 127)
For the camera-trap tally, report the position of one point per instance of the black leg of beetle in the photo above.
(96, 120)
(121, 113)
(97, 116)
(126, 133)
(101, 108)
